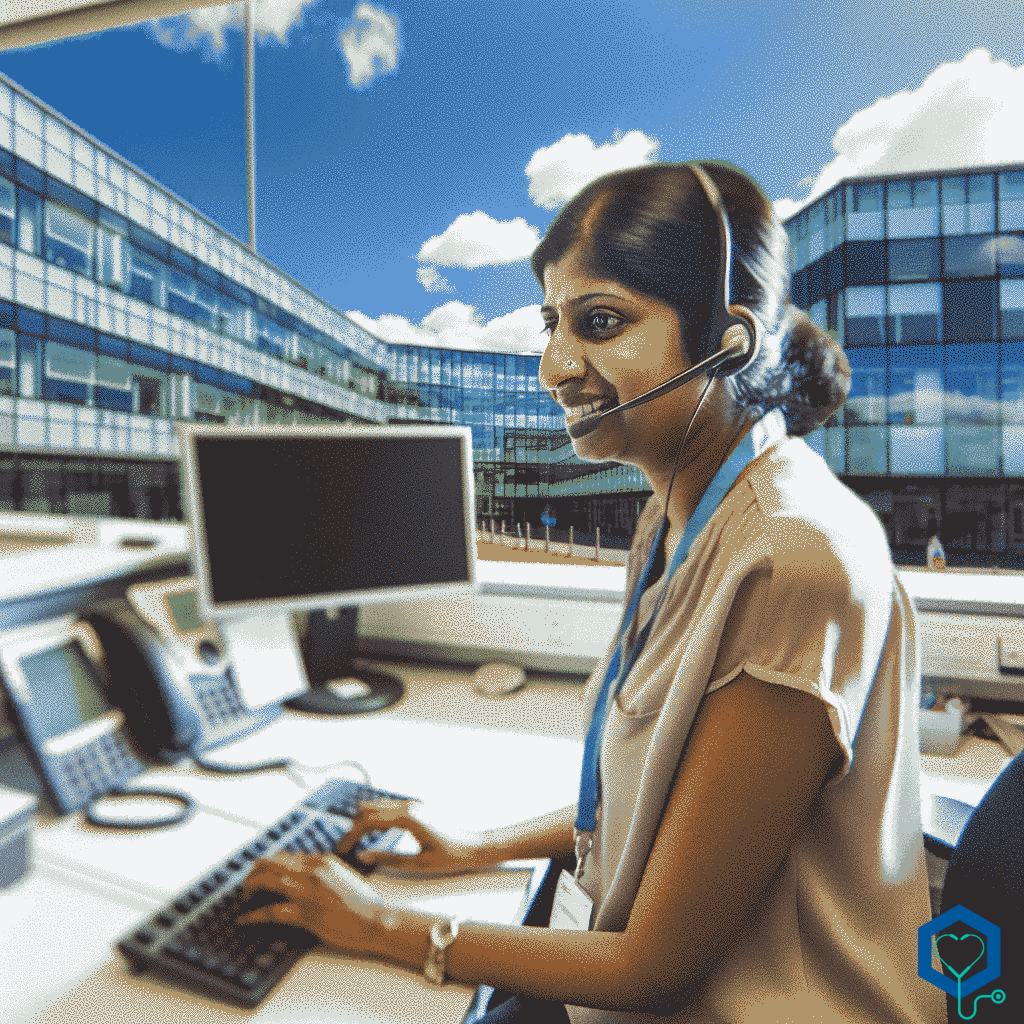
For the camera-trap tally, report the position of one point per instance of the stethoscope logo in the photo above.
(955, 937)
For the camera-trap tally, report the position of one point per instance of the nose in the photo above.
(562, 360)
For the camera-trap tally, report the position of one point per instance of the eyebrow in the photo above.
(580, 299)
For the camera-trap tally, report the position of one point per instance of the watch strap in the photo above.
(442, 934)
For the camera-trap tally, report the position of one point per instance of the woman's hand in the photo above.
(440, 853)
(320, 894)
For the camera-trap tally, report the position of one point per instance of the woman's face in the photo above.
(609, 344)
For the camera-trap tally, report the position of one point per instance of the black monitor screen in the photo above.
(64, 689)
(293, 517)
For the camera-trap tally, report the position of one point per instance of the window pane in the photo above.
(968, 310)
(915, 386)
(866, 401)
(65, 361)
(1008, 252)
(972, 410)
(915, 314)
(866, 454)
(865, 316)
(113, 372)
(69, 239)
(865, 217)
(6, 212)
(1011, 201)
(145, 277)
(971, 256)
(981, 211)
(917, 451)
(913, 209)
(1012, 409)
(865, 262)
(1012, 302)
(914, 259)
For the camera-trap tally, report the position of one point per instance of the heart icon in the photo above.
(959, 953)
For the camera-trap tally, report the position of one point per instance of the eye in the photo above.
(602, 322)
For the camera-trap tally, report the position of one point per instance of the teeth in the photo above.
(577, 412)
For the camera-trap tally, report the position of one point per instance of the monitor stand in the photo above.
(337, 687)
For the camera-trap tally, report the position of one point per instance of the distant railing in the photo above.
(592, 545)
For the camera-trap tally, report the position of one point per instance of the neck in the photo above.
(708, 445)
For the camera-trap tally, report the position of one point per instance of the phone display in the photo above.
(75, 740)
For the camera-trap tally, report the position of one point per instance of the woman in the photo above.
(756, 851)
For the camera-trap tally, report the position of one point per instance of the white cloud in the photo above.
(370, 44)
(964, 114)
(270, 18)
(456, 325)
(432, 280)
(559, 171)
(476, 240)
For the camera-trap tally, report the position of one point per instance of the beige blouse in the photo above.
(790, 581)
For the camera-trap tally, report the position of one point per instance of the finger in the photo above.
(274, 913)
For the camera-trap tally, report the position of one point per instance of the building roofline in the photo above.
(184, 202)
(944, 172)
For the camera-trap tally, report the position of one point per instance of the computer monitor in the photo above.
(323, 517)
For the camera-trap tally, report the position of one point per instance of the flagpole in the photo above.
(250, 125)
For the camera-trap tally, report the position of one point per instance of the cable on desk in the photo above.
(323, 768)
(183, 813)
(240, 769)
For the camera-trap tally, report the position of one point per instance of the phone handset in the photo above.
(174, 701)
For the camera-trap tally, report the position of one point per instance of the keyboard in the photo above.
(194, 937)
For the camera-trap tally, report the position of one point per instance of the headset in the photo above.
(740, 331)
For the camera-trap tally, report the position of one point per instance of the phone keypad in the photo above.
(219, 698)
(93, 769)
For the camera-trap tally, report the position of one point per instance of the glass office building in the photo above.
(123, 309)
(921, 278)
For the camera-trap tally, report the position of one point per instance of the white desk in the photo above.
(88, 886)
(476, 763)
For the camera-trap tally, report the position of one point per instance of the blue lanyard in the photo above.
(744, 453)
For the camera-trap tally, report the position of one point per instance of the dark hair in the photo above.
(653, 229)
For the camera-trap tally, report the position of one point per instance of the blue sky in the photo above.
(409, 155)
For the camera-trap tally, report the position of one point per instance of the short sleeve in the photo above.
(800, 620)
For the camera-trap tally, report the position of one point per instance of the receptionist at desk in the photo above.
(747, 837)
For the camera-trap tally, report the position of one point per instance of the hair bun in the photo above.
(819, 374)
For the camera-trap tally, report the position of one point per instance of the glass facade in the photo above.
(123, 310)
(925, 291)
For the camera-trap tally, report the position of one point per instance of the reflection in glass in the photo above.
(866, 454)
(914, 259)
(1011, 201)
(915, 314)
(1011, 301)
(972, 411)
(971, 256)
(913, 208)
(968, 206)
(865, 217)
(969, 310)
(865, 316)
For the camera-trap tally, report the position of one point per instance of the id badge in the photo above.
(572, 907)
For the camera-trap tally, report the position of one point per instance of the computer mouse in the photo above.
(498, 679)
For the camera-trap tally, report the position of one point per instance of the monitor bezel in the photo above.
(189, 433)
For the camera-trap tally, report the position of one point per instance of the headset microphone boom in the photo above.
(740, 331)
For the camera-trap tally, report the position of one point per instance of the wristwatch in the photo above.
(442, 935)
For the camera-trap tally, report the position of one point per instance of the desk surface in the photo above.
(87, 886)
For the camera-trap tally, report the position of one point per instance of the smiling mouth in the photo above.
(577, 412)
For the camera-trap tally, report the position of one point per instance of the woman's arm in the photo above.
(757, 758)
(550, 835)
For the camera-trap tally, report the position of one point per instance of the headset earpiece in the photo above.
(733, 325)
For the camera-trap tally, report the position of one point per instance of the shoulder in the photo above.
(809, 524)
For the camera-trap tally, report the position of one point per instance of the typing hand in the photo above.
(319, 893)
(440, 853)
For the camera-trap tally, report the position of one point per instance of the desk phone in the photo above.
(167, 673)
(75, 740)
